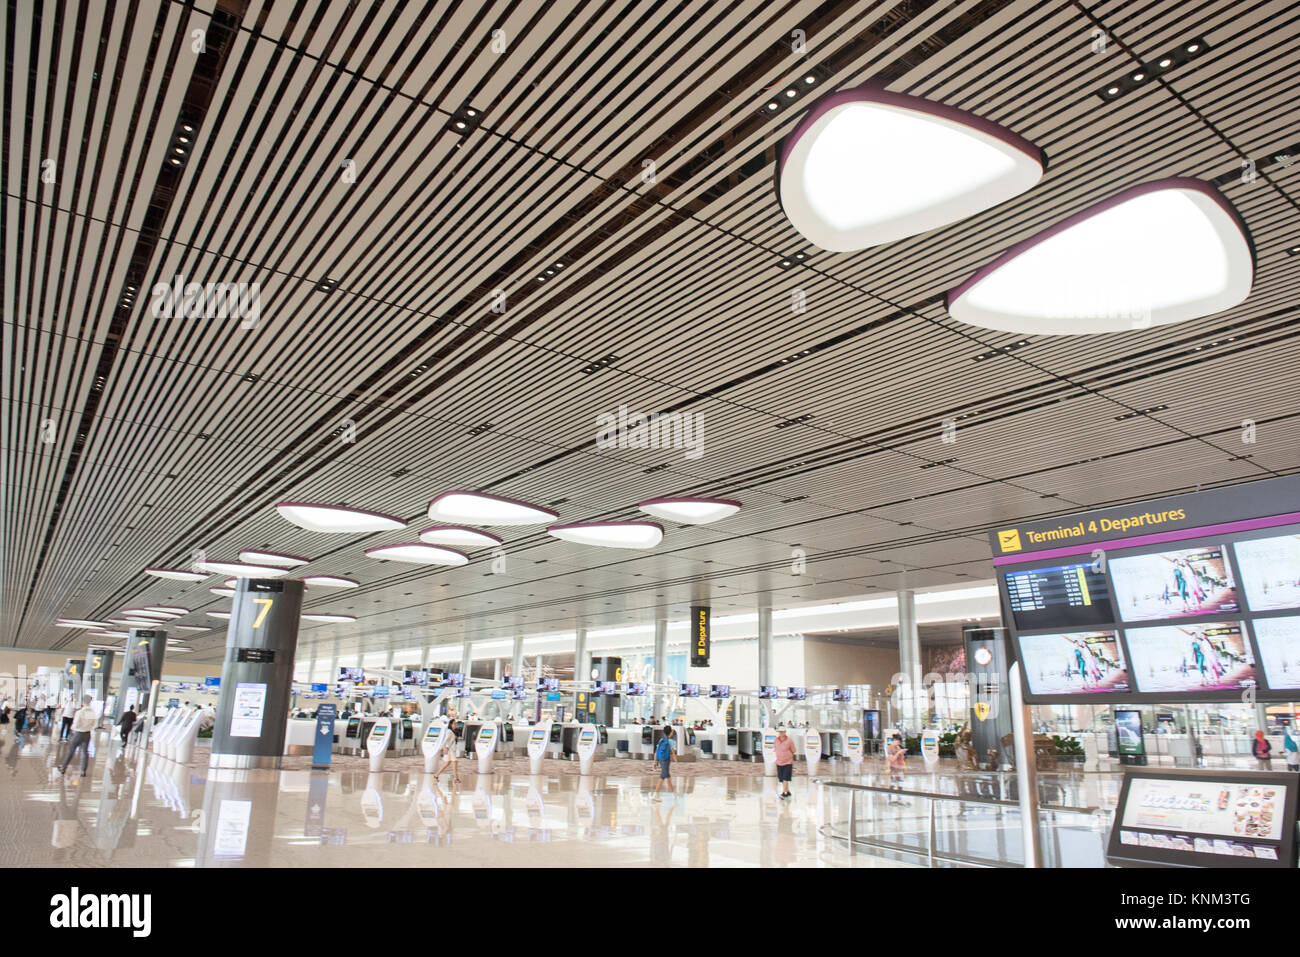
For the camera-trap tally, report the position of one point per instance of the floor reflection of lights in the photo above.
(140, 810)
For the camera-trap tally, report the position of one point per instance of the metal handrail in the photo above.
(933, 797)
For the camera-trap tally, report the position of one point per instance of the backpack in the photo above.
(664, 749)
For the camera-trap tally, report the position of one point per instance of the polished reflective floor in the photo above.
(136, 809)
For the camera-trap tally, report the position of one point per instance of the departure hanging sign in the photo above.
(700, 637)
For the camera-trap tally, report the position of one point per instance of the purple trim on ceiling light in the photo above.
(565, 525)
(1155, 538)
(457, 528)
(1123, 196)
(380, 548)
(675, 499)
(498, 498)
(875, 92)
(338, 508)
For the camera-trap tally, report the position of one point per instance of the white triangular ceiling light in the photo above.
(610, 534)
(176, 574)
(255, 556)
(328, 618)
(479, 508)
(418, 553)
(240, 570)
(867, 166)
(690, 511)
(337, 518)
(459, 535)
(1162, 252)
(329, 581)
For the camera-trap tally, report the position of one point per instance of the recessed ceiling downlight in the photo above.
(478, 508)
(690, 511)
(328, 618)
(418, 553)
(239, 570)
(337, 518)
(329, 581)
(610, 534)
(459, 535)
(1162, 252)
(866, 167)
(255, 557)
(176, 574)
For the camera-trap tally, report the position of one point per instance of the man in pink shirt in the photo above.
(784, 749)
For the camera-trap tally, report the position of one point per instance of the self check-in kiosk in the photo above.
(377, 742)
(435, 739)
(485, 745)
(930, 747)
(812, 749)
(351, 741)
(555, 743)
(588, 744)
(853, 748)
(539, 739)
(768, 744)
(182, 746)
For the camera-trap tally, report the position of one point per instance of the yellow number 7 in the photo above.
(266, 606)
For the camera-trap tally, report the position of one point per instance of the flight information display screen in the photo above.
(1063, 596)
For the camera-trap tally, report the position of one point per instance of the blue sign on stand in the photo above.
(323, 743)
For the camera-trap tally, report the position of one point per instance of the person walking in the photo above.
(665, 755)
(83, 722)
(1290, 750)
(1263, 751)
(896, 757)
(784, 751)
(127, 722)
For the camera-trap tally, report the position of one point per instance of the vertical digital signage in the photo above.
(700, 637)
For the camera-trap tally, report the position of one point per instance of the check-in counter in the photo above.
(719, 744)
(641, 742)
(619, 746)
(832, 744)
(749, 744)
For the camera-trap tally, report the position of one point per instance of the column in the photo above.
(261, 640)
(145, 651)
(581, 661)
(466, 659)
(496, 670)
(661, 662)
(765, 659)
(909, 659)
(517, 657)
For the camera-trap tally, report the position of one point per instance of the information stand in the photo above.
(539, 739)
(485, 745)
(377, 742)
(1185, 818)
(588, 744)
(769, 752)
(812, 749)
(853, 749)
(434, 740)
(930, 747)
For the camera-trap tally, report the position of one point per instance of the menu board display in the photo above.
(1279, 650)
(1074, 663)
(1174, 584)
(1270, 572)
(1207, 656)
(1062, 596)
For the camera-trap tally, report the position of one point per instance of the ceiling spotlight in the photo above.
(610, 534)
(791, 92)
(810, 79)
(1193, 47)
(175, 161)
(458, 535)
(1165, 63)
(240, 570)
(418, 553)
(187, 129)
(329, 581)
(773, 105)
(866, 167)
(327, 618)
(479, 508)
(690, 511)
(256, 557)
(337, 518)
(1166, 251)
(1139, 77)
(176, 574)
(1112, 90)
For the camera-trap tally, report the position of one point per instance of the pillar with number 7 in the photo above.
(257, 674)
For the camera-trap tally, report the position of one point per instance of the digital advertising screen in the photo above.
(415, 677)
(689, 691)
(453, 679)
(1173, 584)
(548, 684)
(1128, 732)
(871, 724)
(841, 694)
(636, 689)
(1279, 651)
(719, 691)
(797, 694)
(605, 687)
(1083, 662)
(463, 693)
(1270, 572)
(351, 674)
(1063, 596)
(768, 691)
(518, 694)
(513, 682)
(1201, 657)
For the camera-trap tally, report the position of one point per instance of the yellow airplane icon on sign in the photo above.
(1009, 540)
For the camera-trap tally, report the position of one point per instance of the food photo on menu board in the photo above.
(1270, 572)
(1206, 656)
(1278, 640)
(1178, 584)
(1074, 663)
(1227, 817)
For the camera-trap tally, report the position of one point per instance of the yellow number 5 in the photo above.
(266, 606)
